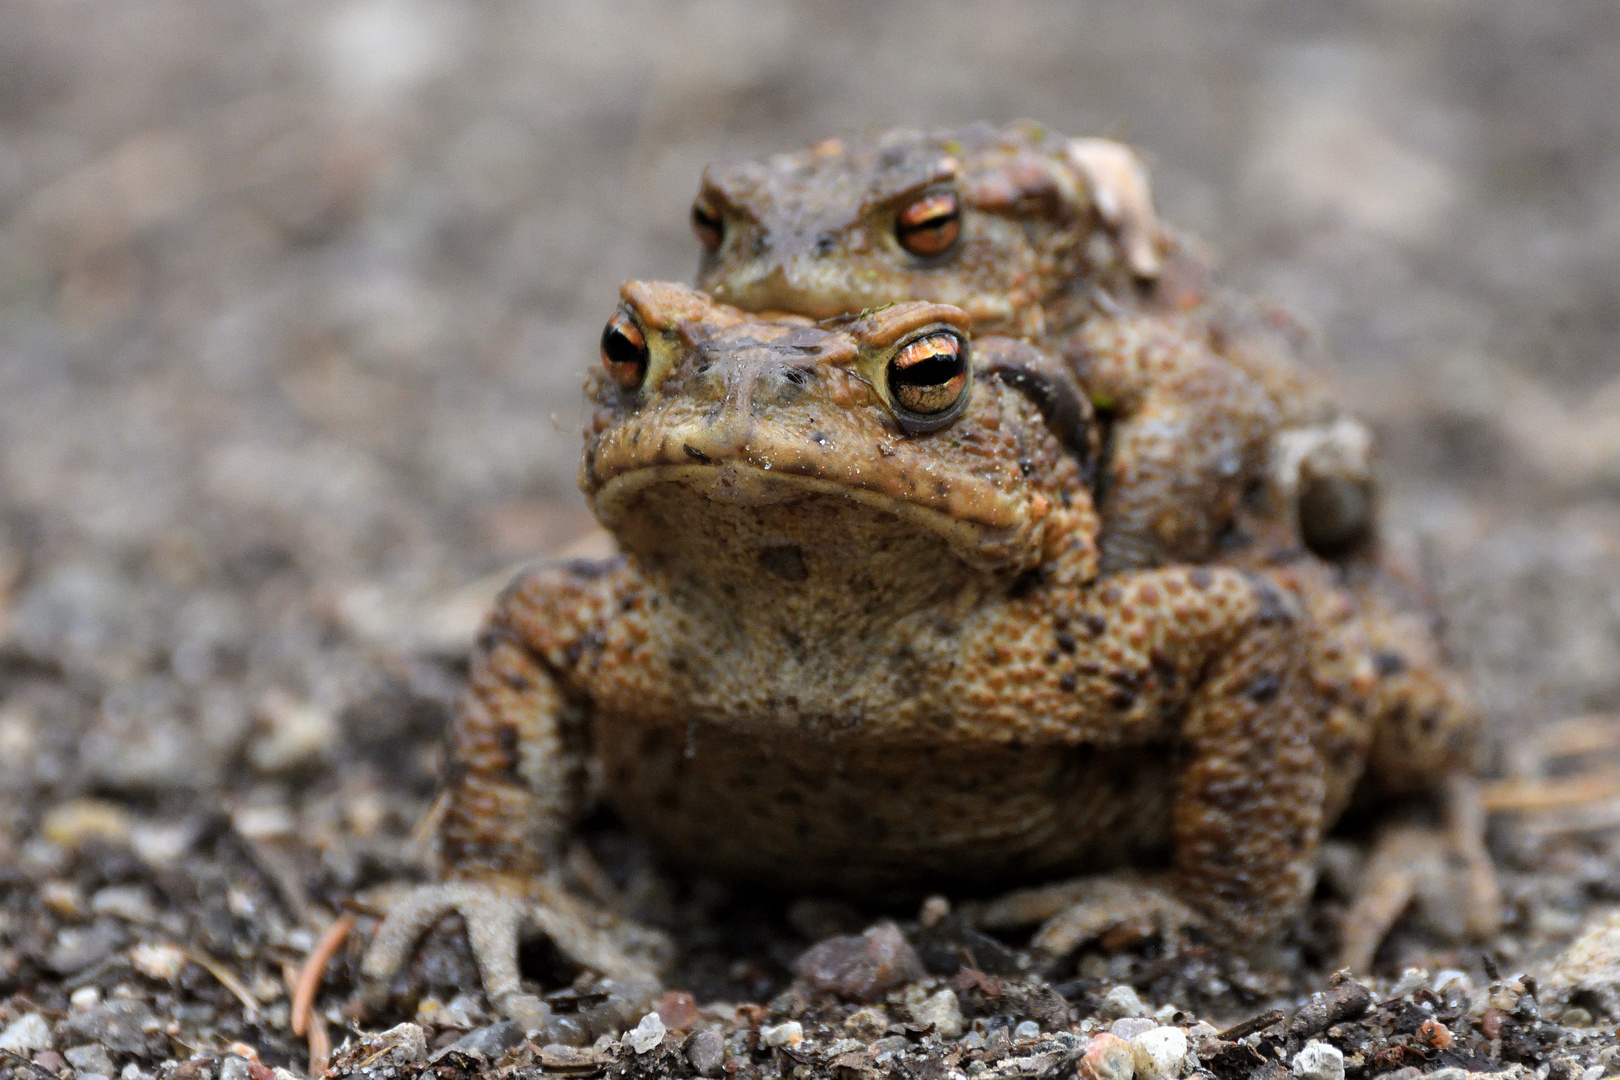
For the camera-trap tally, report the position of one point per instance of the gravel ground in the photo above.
(294, 301)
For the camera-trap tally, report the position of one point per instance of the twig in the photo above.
(226, 979)
(1532, 795)
(320, 1044)
(1253, 1024)
(314, 970)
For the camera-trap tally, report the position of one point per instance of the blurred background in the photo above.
(295, 299)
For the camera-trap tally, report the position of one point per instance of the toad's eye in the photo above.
(708, 224)
(624, 351)
(927, 377)
(931, 225)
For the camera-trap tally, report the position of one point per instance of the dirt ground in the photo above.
(294, 302)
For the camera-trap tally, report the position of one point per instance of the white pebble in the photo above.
(788, 1034)
(26, 1034)
(1122, 1001)
(158, 960)
(1028, 1029)
(645, 1035)
(943, 1011)
(1319, 1061)
(1159, 1053)
(85, 997)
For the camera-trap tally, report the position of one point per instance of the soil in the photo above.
(294, 302)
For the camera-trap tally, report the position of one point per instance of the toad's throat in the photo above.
(800, 580)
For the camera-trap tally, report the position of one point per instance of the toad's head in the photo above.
(720, 437)
(996, 221)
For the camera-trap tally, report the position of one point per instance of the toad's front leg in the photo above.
(519, 747)
(1206, 664)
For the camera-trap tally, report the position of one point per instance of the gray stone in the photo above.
(707, 1052)
(120, 1025)
(80, 947)
(89, 1058)
(491, 1041)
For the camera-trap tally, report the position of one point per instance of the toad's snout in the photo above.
(750, 385)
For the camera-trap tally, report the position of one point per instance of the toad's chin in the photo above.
(647, 507)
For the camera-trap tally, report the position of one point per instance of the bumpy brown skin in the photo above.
(837, 656)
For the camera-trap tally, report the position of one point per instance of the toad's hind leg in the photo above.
(518, 746)
(1448, 871)
(1423, 727)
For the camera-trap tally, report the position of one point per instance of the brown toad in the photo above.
(857, 641)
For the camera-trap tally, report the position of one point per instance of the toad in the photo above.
(856, 639)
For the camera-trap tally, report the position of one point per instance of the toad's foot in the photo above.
(1449, 874)
(498, 915)
(1114, 910)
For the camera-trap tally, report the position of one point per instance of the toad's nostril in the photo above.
(782, 385)
(706, 384)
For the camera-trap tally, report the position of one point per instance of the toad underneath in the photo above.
(856, 640)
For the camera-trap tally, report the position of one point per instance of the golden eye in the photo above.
(707, 223)
(928, 376)
(931, 225)
(624, 351)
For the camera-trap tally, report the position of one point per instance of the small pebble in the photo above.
(678, 1010)
(1027, 1029)
(295, 734)
(1159, 1053)
(1130, 1027)
(944, 1012)
(158, 960)
(868, 1023)
(1319, 1061)
(89, 1058)
(62, 898)
(1435, 1034)
(77, 821)
(85, 997)
(1122, 1001)
(26, 1034)
(788, 1034)
(1411, 979)
(232, 1067)
(492, 1041)
(707, 1052)
(1108, 1057)
(645, 1035)
(860, 967)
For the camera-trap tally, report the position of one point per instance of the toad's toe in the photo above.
(1114, 910)
(498, 916)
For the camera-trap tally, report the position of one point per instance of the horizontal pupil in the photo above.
(619, 348)
(930, 371)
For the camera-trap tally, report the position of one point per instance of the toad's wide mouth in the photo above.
(737, 484)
